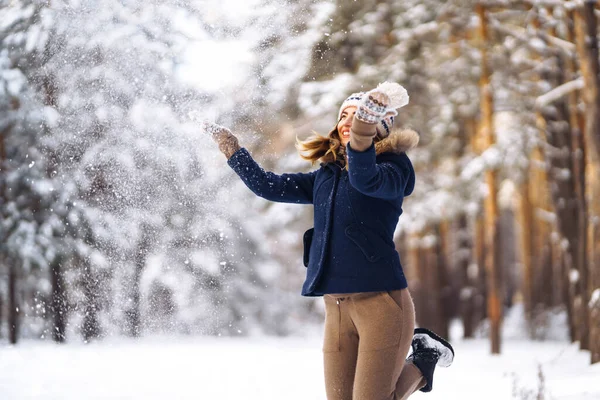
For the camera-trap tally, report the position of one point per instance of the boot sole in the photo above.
(435, 341)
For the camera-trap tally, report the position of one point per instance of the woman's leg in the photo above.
(340, 349)
(411, 379)
(385, 322)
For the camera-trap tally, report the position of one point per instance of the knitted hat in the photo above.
(398, 98)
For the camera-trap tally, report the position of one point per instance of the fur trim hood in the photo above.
(398, 141)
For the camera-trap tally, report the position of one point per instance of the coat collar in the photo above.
(398, 142)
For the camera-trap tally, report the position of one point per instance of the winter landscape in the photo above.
(275, 368)
(135, 264)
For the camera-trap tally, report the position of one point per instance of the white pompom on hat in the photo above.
(398, 98)
(397, 94)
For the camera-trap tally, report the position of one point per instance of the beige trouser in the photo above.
(367, 338)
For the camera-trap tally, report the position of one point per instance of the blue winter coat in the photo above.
(351, 247)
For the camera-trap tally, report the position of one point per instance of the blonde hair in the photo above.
(325, 149)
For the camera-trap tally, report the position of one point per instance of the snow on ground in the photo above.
(272, 368)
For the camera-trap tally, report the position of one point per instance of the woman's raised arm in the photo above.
(285, 188)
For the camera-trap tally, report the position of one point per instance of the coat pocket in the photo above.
(370, 243)
(307, 241)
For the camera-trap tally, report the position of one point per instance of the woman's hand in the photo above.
(228, 143)
(373, 108)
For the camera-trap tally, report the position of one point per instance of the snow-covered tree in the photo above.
(26, 248)
(145, 229)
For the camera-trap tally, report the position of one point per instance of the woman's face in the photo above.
(344, 124)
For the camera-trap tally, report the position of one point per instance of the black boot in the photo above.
(430, 350)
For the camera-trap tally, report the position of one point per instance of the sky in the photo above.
(216, 65)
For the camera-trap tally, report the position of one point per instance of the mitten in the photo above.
(228, 143)
(375, 105)
(382, 102)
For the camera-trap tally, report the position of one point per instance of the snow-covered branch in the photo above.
(504, 4)
(559, 46)
(558, 92)
(418, 32)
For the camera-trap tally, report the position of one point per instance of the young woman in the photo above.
(351, 261)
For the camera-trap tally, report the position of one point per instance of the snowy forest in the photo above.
(120, 218)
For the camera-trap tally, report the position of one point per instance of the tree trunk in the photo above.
(476, 268)
(507, 259)
(417, 274)
(466, 254)
(133, 315)
(478, 272)
(566, 189)
(426, 292)
(494, 292)
(595, 331)
(91, 323)
(1, 314)
(594, 275)
(525, 223)
(468, 286)
(542, 210)
(412, 244)
(585, 26)
(443, 282)
(577, 258)
(13, 304)
(3, 135)
(58, 304)
(542, 226)
(429, 291)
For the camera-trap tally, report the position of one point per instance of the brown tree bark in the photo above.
(577, 258)
(429, 291)
(566, 189)
(425, 286)
(476, 269)
(468, 284)
(542, 213)
(494, 291)
(412, 246)
(525, 223)
(594, 265)
(418, 279)
(444, 291)
(543, 210)
(508, 257)
(590, 69)
(585, 26)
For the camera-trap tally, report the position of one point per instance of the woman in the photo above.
(357, 195)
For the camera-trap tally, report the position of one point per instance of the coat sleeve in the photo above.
(391, 178)
(285, 188)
